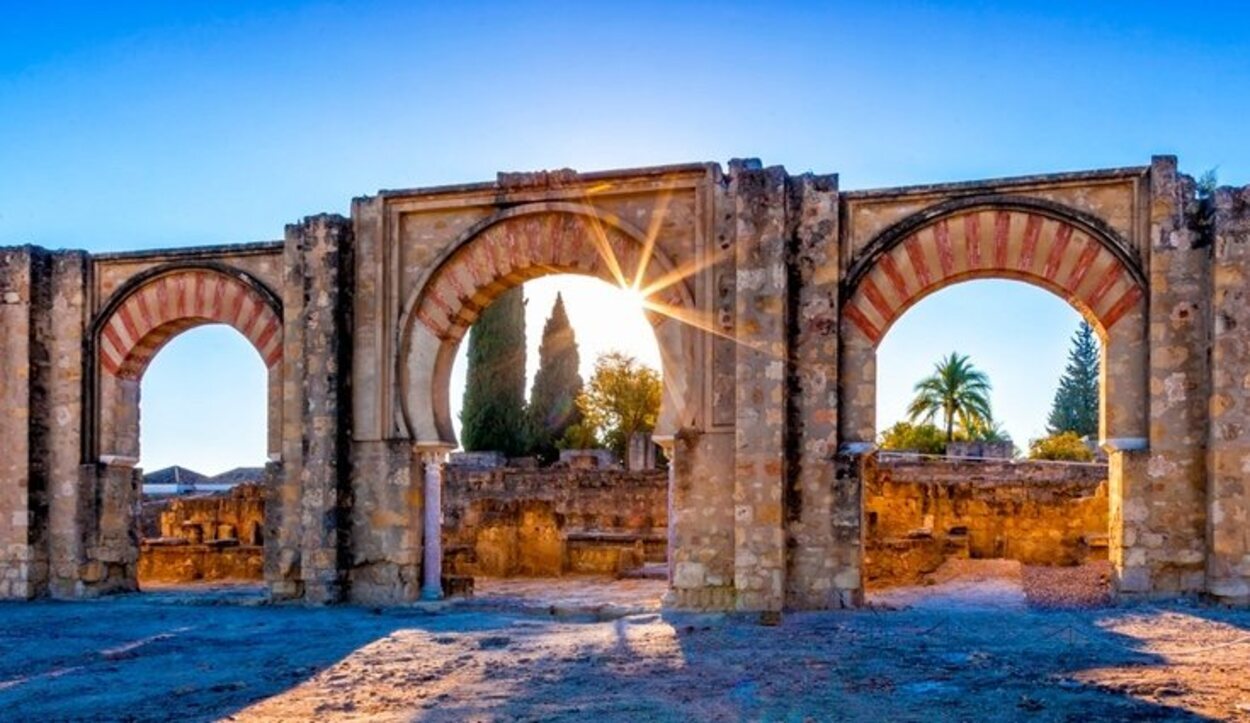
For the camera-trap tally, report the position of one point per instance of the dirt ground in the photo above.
(592, 650)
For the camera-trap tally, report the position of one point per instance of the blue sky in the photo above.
(136, 125)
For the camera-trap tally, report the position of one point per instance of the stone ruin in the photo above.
(769, 294)
(919, 513)
(203, 538)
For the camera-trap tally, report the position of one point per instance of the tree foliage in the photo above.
(621, 399)
(553, 398)
(983, 430)
(493, 415)
(924, 438)
(1075, 408)
(1066, 446)
(956, 392)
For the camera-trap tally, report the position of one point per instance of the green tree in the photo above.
(957, 391)
(908, 437)
(553, 398)
(621, 399)
(984, 430)
(1075, 408)
(1066, 446)
(493, 415)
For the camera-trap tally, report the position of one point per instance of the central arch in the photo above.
(1068, 253)
(508, 249)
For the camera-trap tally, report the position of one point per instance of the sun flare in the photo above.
(634, 297)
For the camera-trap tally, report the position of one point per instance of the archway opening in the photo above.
(500, 253)
(989, 485)
(205, 402)
(574, 506)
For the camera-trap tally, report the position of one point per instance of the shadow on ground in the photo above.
(158, 657)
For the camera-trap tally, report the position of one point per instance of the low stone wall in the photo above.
(549, 522)
(919, 512)
(195, 563)
(210, 537)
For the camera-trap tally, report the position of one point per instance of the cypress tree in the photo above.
(493, 415)
(1075, 408)
(552, 406)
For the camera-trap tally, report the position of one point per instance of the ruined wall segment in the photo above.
(822, 515)
(310, 556)
(47, 528)
(386, 522)
(762, 322)
(1161, 497)
(23, 564)
(552, 522)
(921, 512)
(70, 514)
(1228, 485)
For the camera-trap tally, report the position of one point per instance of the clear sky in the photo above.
(135, 125)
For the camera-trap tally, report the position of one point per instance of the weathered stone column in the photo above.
(667, 443)
(1228, 488)
(433, 461)
(761, 323)
(313, 542)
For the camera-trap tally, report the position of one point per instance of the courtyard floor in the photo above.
(598, 650)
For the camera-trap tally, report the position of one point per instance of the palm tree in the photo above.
(958, 390)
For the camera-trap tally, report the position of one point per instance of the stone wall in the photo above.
(235, 515)
(920, 512)
(551, 522)
(211, 537)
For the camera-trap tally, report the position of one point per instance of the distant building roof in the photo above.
(180, 480)
(178, 477)
(239, 475)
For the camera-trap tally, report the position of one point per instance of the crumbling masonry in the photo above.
(769, 295)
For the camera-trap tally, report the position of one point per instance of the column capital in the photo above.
(1124, 444)
(432, 452)
(118, 460)
(853, 447)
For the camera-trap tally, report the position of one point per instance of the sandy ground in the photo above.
(529, 651)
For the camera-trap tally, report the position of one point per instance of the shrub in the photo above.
(924, 438)
(1066, 446)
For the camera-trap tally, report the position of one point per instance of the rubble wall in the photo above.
(920, 512)
(550, 522)
(212, 537)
